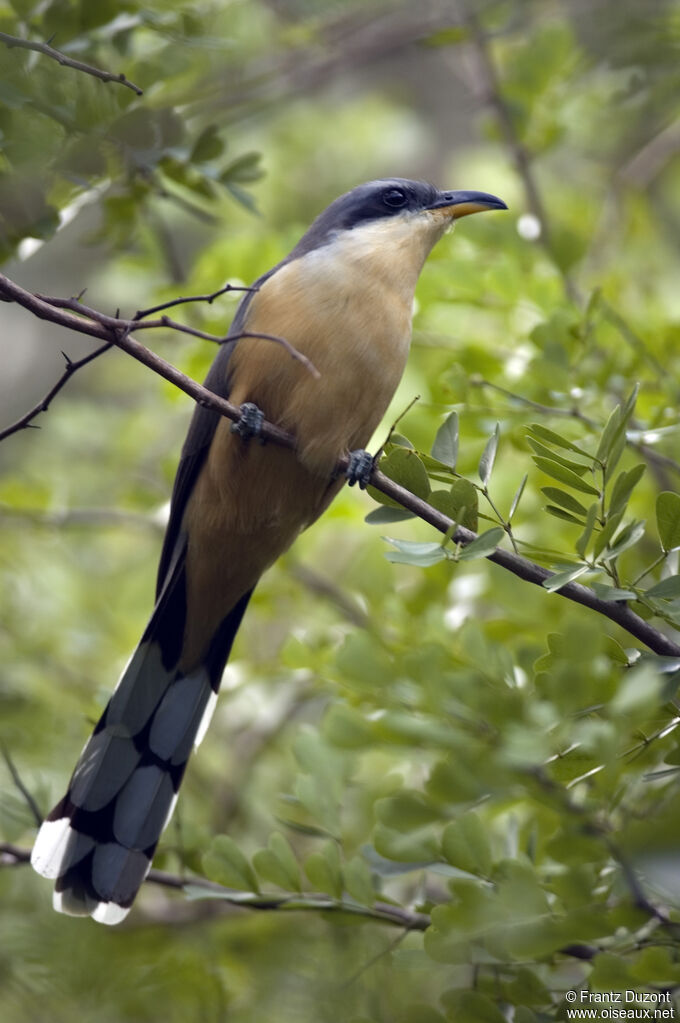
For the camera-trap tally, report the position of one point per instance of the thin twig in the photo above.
(30, 801)
(77, 306)
(634, 885)
(13, 42)
(142, 313)
(380, 912)
(654, 457)
(71, 367)
(492, 94)
(115, 331)
(322, 586)
(78, 517)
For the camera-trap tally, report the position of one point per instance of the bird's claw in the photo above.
(359, 468)
(249, 423)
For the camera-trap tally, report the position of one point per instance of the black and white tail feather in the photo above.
(98, 841)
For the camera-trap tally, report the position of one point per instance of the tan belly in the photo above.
(251, 501)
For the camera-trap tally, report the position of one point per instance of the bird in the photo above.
(343, 297)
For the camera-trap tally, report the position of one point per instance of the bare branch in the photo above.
(13, 42)
(71, 367)
(142, 313)
(116, 331)
(492, 94)
(78, 517)
(77, 306)
(16, 778)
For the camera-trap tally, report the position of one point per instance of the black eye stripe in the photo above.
(395, 197)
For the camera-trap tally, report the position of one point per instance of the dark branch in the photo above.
(116, 331)
(16, 778)
(492, 94)
(13, 42)
(142, 313)
(71, 367)
(379, 912)
(530, 572)
(76, 306)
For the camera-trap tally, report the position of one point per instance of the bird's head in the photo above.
(393, 202)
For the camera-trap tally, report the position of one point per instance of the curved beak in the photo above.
(462, 203)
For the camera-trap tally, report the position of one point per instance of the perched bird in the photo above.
(343, 297)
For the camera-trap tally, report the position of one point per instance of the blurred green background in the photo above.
(448, 738)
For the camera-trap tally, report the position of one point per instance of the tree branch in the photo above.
(113, 330)
(13, 42)
(379, 912)
(209, 299)
(71, 367)
(492, 94)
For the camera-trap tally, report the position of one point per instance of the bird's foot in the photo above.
(359, 468)
(249, 423)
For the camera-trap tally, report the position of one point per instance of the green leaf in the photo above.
(345, 727)
(386, 515)
(445, 447)
(459, 503)
(516, 499)
(624, 484)
(564, 500)
(485, 544)
(557, 439)
(465, 844)
(606, 533)
(489, 456)
(208, 146)
(243, 170)
(419, 846)
(560, 513)
(405, 811)
(611, 592)
(225, 863)
(323, 870)
(668, 588)
(540, 449)
(359, 881)
(560, 472)
(581, 544)
(400, 441)
(409, 552)
(466, 502)
(629, 404)
(466, 1006)
(612, 431)
(628, 536)
(639, 692)
(403, 466)
(560, 579)
(668, 519)
(277, 863)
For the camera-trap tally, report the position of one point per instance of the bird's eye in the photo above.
(394, 197)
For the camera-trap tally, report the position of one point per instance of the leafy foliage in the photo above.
(405, 735)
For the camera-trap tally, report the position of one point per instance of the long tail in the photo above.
(99, 840)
